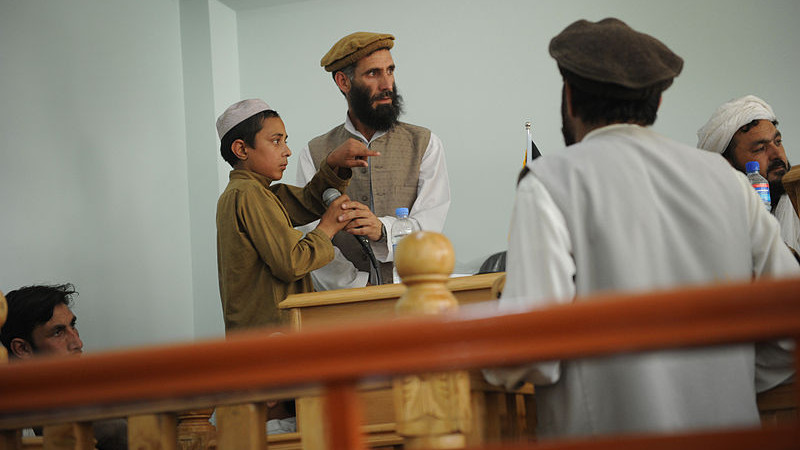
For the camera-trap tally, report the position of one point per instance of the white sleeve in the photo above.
(339, 273)
(539, 271)
(771, 258)
(433, 198)
(789, 221)
(305, 167)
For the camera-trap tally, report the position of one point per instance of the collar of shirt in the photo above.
(241, 174)
(348, 125)
(610, 128)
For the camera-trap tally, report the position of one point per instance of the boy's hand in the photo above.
(361, 221)
(352, 153)
(329, 222)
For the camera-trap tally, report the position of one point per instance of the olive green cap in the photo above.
(353, 47)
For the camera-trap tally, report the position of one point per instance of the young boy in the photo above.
(261, 258)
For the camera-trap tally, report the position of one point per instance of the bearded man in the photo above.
(746, 129)
(410, 171)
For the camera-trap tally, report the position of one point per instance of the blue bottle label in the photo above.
(763, 191)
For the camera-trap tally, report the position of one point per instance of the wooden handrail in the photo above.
(612, 323)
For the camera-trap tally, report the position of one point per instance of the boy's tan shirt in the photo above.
(261, 258)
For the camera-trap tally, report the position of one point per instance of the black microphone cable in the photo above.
(328, 197)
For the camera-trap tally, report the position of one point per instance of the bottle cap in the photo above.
(752, 166)
(401, 212)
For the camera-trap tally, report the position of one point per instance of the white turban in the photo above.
(717, 133)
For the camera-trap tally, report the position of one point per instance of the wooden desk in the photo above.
(496, 414)
(373, 302)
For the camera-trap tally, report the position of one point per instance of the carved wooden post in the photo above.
(310, 423)
(343, 415)
(195, 432)
(432, 410)
(69, 436)
(242, 427)
(152, 432)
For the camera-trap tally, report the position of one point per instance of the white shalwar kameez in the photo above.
(429, 210)
(790, 222)
(629, 210)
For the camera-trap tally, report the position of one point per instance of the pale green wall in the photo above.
(93, 175)
(199, 89)
(225, 68)
(473, 71)
(109, 171)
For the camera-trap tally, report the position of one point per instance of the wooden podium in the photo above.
(373, 302)
(492, 413)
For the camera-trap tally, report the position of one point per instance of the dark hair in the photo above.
(597, 108)
(245, 130)
(31, 306)
(728, 153)
(349, 71)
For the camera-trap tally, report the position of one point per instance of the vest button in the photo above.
(363, 170)
(364, 198)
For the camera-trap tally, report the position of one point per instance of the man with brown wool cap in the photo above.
(410, 171)
(623, 208)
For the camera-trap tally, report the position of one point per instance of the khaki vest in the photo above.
(389, 182)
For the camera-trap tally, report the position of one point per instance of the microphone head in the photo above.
(330, 195)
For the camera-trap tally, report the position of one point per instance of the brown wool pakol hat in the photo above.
(612, 59)
(353, 47)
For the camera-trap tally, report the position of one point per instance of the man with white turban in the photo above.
(745, 129)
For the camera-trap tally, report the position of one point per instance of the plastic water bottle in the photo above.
(401, 228)
(759, 183)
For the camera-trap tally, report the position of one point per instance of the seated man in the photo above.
(746, 129)
(41, 323)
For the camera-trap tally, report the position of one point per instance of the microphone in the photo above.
(328, 196)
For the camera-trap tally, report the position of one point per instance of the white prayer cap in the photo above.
(717, 133)
(238, 112)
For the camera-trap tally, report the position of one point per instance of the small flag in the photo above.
(531, 151)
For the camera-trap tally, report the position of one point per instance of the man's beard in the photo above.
(381, 118)
(776, 189)
(566, 128)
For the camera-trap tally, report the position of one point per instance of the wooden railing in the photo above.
(150, 386)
